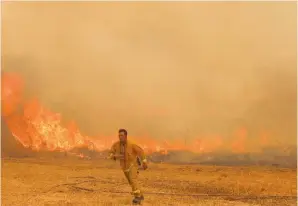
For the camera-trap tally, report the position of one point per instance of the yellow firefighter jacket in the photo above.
(127, 154)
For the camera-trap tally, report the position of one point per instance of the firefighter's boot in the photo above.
(137, 200)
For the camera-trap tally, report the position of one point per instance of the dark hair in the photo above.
(123, 130)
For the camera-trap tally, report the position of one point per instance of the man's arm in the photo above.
(140, 152)
(112, 152)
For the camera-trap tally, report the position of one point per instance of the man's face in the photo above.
(122, 137)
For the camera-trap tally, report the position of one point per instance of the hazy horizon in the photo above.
(166, 70)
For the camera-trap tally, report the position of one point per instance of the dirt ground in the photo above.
(99, 182)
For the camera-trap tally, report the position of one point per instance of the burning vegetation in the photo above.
(39, 129)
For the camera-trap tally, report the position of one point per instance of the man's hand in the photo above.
(111, 157)
(145, 166)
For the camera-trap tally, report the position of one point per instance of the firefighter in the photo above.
(128, 154)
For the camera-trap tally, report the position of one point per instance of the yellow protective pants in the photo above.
(131, 175)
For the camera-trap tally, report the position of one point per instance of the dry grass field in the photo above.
(99, 182)
(217, 77)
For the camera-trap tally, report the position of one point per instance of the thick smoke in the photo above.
(165, 70)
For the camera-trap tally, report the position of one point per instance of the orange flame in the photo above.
(11, 93)
(39, 128)
(238, 145)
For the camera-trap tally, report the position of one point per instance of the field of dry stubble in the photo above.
(99, 182)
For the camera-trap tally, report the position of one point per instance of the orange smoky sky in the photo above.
(166, 70)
